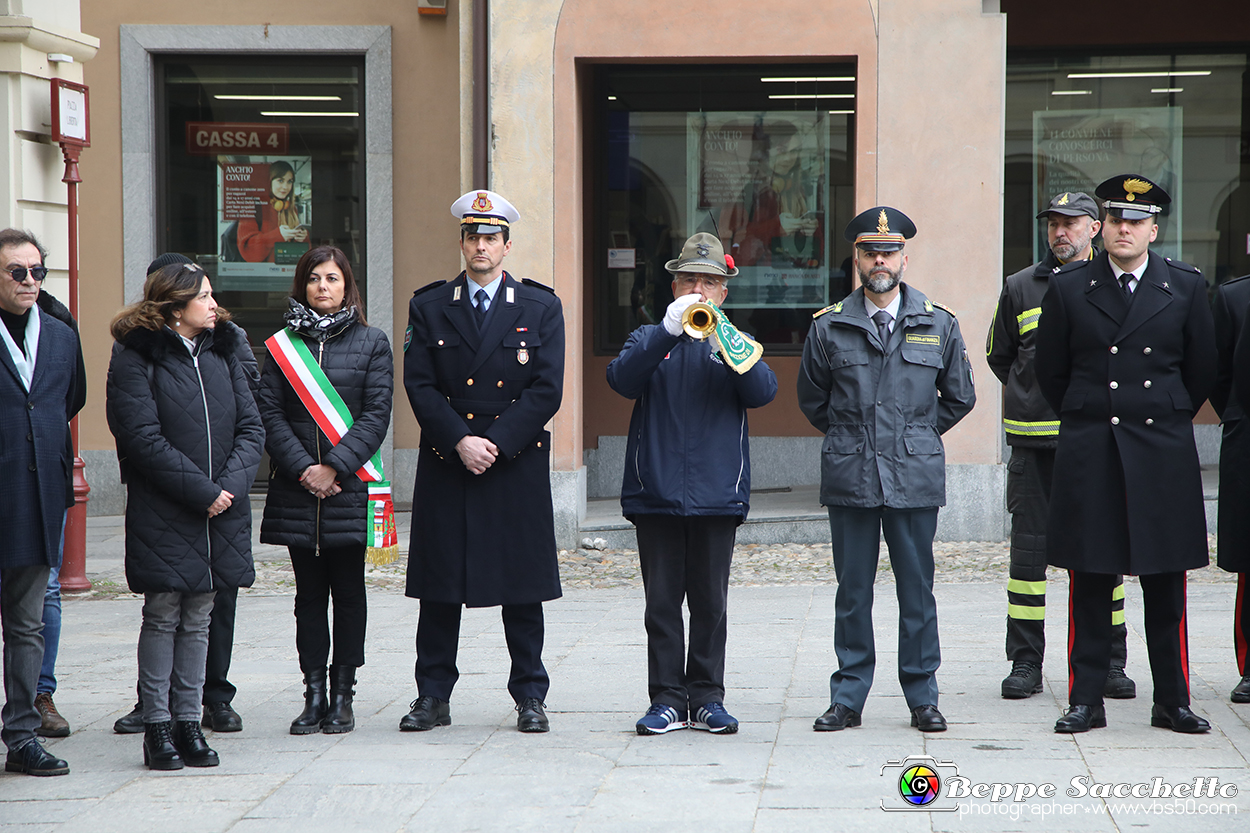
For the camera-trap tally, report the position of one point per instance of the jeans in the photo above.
(173, 647)
(21, 608)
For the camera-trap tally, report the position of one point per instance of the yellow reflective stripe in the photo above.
(1026, 588)
(1036, 614)
(1032, 429)
(1117, 593)
(1117, 617)
(1027, 320)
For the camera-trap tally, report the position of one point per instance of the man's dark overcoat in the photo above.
(1231, 302)
(488, 539)
(34, 447)
(1126, 374)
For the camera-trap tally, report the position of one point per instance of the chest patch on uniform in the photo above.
(407, 337)
(523, 356)
(918, 338)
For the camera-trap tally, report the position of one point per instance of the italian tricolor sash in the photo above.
(330, 413)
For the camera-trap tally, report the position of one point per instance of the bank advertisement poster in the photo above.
(264, 219)
(1074, 150)
(759, 180)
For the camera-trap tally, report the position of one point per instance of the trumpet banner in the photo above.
(740, 352)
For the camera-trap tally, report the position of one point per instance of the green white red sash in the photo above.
(330, 413)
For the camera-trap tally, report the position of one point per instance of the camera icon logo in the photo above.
(916, 783)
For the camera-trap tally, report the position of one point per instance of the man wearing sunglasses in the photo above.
(38, 396)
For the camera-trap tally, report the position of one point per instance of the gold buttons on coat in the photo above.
(1115, 385)
(1147, 351)
(440, 342)
(1150, 422)
(470, 416)
(1114, 349)
(499, 384)
(1115, 420)
(469, 382)
(522, 343)
(1146, 384)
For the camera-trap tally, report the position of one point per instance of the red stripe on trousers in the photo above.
(1239, 635)
(1071, 635)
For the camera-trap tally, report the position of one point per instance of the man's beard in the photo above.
(1067, 251)
(881, 279)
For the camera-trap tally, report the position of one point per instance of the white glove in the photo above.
(672, 318)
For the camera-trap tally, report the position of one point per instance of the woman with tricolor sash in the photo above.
(325, 399)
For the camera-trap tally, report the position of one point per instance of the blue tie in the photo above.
(480, 309)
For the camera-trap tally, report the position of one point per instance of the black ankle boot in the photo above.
(190, 743)
(159, 751)
(309, 721)
(339, 717)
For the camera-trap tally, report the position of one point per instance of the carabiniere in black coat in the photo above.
(1126, 374)
(186, 428)
(488, 539)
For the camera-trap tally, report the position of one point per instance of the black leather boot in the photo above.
(159, 751)
(309, 721)
(339, 717)
(190, 743)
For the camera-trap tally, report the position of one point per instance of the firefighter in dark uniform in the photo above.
(884, 374)
(484, 371)
(1033, 432)
(1126, 355)
(1231, 302)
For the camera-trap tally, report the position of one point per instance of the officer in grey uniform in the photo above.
(884, 374)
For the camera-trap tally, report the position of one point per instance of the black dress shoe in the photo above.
(130, 724)
(1178, 719)
(1241, 694)
(427, 712)
(1081, 718)
(928, 719)
(837, 718)
(221, 718)
(1119, 686)
(33, 759)
(531, 717)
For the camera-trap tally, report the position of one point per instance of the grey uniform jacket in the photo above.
(879, 405)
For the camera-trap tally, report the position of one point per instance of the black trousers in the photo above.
(337, 572)
(686, 557)
(1241, 627)
(1090, 636)
(438, 640)
(218, 689)
(1029, 475)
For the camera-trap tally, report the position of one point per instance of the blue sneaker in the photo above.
(660, 719)
(712, 717)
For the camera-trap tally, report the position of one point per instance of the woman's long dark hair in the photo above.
(315, 257)
(166, 291)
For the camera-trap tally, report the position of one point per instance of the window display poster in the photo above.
(759, 180)
(1075, 150)
(264, 219)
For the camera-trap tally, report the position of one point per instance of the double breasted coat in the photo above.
(34, 447)
(488, 539)
(1126, 373)
(1231, 302)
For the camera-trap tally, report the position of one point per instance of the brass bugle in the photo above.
(699, 320)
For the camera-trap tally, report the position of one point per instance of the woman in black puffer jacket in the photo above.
(189, 439)
(317, 504)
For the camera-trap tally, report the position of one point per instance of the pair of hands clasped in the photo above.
(320, 480)
(221, 504)
(477, 453)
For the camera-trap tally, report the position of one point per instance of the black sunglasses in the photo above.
(18, 273)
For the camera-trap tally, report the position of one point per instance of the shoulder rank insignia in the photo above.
(428, 287)
(933, 304)
(531, 282)
(831, 308)
(1180, 264)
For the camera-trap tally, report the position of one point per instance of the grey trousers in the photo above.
(173, 647)
(21, 615)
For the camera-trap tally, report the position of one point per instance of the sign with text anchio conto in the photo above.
(209, 138)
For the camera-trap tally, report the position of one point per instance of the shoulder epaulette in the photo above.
(428, 287)
(831, 308)
(1180, 264)
(1226, 283)
(1071, 265)
(531, 282)
(932, 304)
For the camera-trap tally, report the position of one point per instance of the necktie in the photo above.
(883, 320)
(1124, 282)
(480, 309)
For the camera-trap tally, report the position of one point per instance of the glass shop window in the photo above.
(759, 155)
(259, 159)
(1182, 120)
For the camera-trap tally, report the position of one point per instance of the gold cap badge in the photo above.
(1133, 187)
(883, 223)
